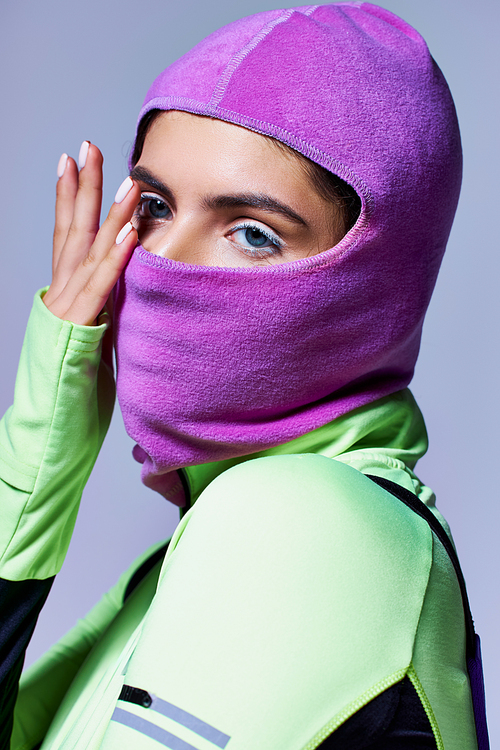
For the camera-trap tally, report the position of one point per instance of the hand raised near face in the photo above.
(87, 261)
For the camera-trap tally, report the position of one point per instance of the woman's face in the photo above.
(216, 194)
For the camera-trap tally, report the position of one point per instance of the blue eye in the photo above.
(158, 208)
(255, 237)
(252, 238)
(152, 207)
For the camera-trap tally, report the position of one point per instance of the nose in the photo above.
(182, 240)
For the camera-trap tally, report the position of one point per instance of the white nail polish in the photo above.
(82, 156)
(123, 233)
(62, 165)
(123, 190)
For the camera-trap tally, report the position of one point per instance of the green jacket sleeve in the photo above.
(49, 441)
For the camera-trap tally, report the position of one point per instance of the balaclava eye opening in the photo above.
(328, 185)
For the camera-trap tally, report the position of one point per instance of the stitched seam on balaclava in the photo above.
(236, 60)
(265, 127)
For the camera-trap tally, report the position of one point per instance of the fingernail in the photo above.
(62, 165)
(82, 156)
(123, 190)
(123, 233)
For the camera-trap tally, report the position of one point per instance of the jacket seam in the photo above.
(83, 350)
(15, 461)
(354, 706)
(411, 672)
(426, 706)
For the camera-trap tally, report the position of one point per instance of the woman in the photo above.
(265, 336)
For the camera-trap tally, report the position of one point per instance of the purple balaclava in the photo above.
(215, 363)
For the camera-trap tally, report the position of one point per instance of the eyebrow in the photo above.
(144, 175)
(254, 200)
(249, 200)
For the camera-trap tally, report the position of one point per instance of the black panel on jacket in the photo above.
(20, 605)
(394, 720)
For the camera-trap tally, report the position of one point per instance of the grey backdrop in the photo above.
(75, 70)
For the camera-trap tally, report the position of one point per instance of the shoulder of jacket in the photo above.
(290, 475)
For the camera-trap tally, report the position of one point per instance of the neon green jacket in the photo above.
(292, 593)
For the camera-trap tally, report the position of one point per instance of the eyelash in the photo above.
(264, 251)
(256, 252)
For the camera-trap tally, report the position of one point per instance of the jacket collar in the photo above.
(390, 430)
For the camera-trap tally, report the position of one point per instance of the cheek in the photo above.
(329, 227)
(185, 242)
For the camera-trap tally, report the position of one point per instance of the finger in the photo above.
(121, 211)
(92, 298)
(87, 211)
(119, 214)
(67, 186)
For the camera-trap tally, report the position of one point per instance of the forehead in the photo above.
(201, 149)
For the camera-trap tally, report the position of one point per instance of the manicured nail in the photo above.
(123, 233)
(82, 156)
(62, 165)
(124, 189)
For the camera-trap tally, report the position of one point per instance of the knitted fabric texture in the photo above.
(222, 362)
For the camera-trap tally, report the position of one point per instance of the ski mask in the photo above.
(215, 362)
